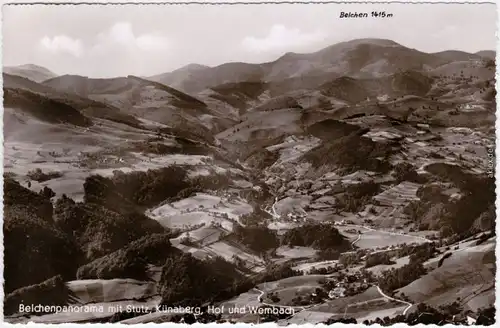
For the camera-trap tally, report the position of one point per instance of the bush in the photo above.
(254, 218)
(422, 253)
(393, 279)
(357, 196)
(130, 261)
(350, 258)
(378, 258)
(39, 176)
(187, 281)
(341, 320)
(276, 272)
(47, 192)
(486, 316)
(35, 250)
(15, 194)
(100, 231)
(479, 196)
(328, 254)
(444, 257)
(318, 236)
(324, 271)
(257, 238)
(52, 291)
(124, 192)
(135, 188)
(406, 172)
(416, 210)
(352, 152)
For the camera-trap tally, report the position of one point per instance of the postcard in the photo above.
(293, 163)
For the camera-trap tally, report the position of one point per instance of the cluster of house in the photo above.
(337, 292)
(343, 222)
(230, 195)
(90, 159)
(356, 283)
(295, 217)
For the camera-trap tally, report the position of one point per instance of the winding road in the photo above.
(309, 307)
(408, 305)
(276, 216)
(395, 299)
(357, 239)
(273, 213)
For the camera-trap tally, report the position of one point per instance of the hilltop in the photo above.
(490, 54)
(358, 58)
(30, 71)
(175, 78)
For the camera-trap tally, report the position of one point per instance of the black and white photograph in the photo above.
(289, 163)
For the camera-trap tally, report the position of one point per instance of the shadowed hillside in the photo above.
(359, 90)
(86, 106)
(44, 108)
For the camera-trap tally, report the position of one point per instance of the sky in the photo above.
(107, 41)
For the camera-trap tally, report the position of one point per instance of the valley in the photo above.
(353, 184)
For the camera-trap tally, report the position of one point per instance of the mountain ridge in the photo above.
(344, 58)
(33, 72)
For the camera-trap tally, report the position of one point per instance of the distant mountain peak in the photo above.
(32, 72)
(33, 67)
(290, 56)
(378, 41)
(352, 44)
(370, 41)
(191, 67)
(491, 54)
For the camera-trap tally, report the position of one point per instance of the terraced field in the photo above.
(399, 195)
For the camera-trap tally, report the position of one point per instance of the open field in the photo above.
(99, 291)
(467, 272)
(295, 252)
(310, 280)
(375, 239)
(370, 238)
(314, 265)
(249, 298)
(68, 159)
(378, 269)
(228, 251)
(204, 235)
(360, 306)
(293, 148)
(200, 209)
